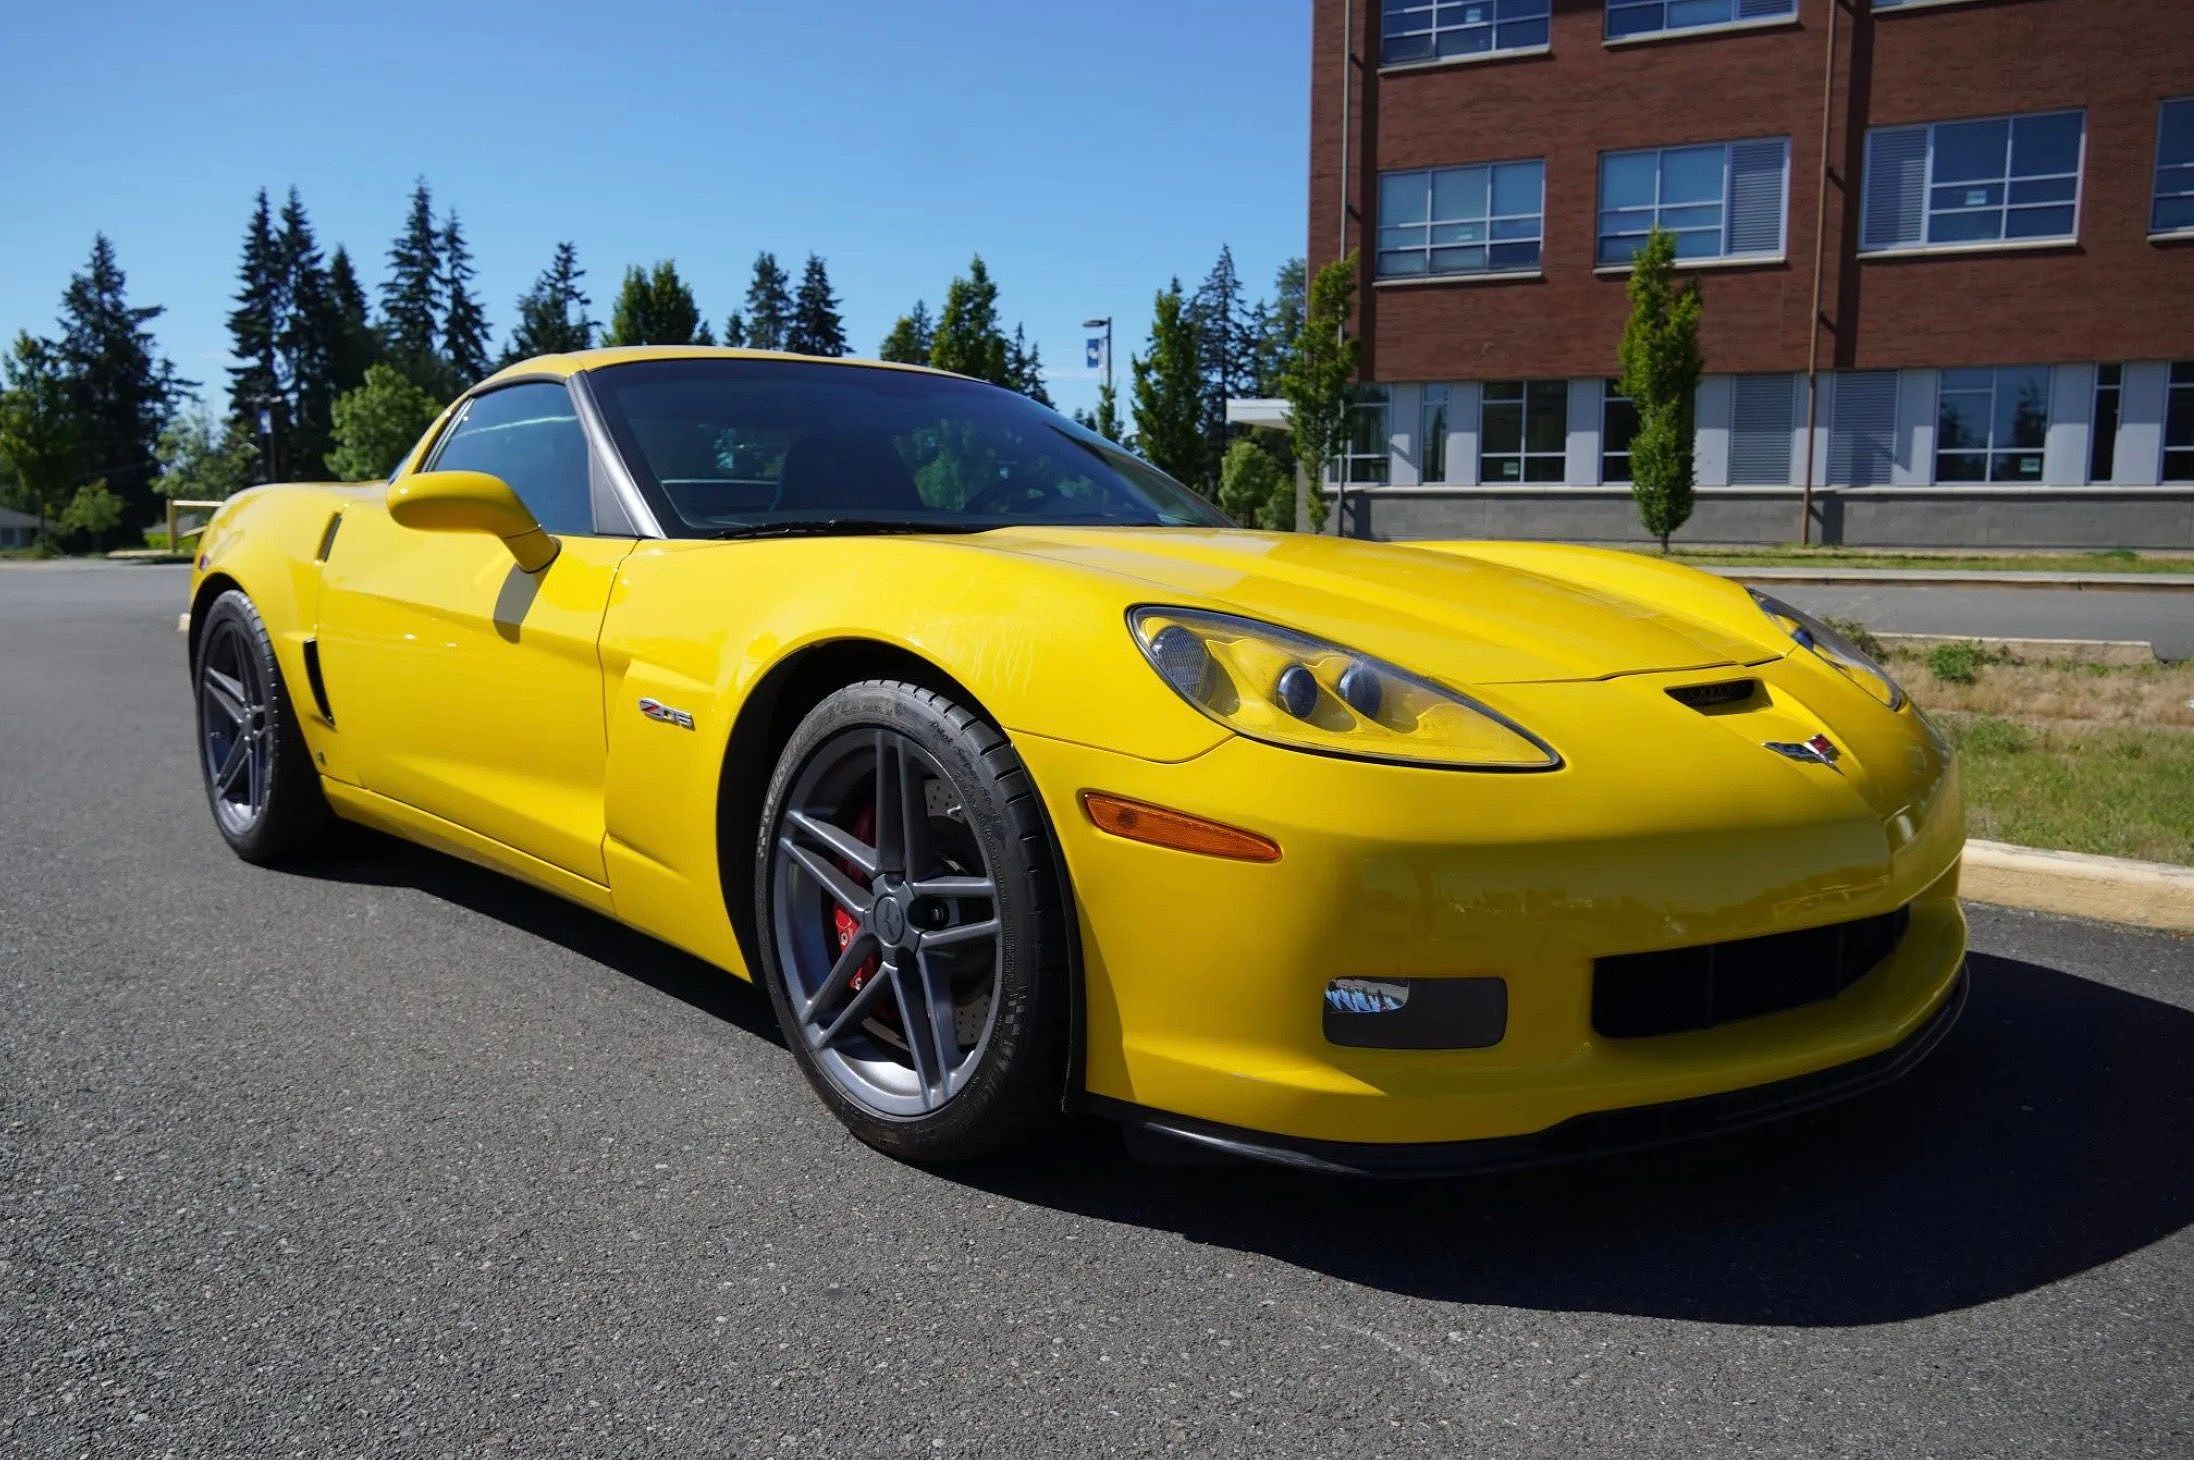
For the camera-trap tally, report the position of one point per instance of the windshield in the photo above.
(729, 446)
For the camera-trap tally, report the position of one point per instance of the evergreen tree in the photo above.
(376, 424)
(967, 339)
(1279, 323)
(911, 338)
(1319, 380)
(255, 329)
(735, 332)
(1226, 351)
(411, 296)
(1254, 488)
(309, 342)
(38, 435)
(1025, 368)
(816, 328)
(1169, 420)
(1661, 365)
(768, 313)
(552, 315)
(119, 391)
(656, 309)
(464, 325)
(356, 346)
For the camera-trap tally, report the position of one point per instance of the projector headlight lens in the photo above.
(1855, 663)
(1276, 685)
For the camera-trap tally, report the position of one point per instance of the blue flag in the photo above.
(1094, 356)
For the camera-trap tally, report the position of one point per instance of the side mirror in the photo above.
(472, 501)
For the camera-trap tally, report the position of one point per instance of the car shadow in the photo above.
(371, 859)
(2047, 1136)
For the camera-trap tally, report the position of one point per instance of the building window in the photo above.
(1991, 424)
(1724, 200)
(1523, 432)
(1994, 180)
(2179, 424)
(1364, 460)
(1461, 220)
(1432, 435)
(1618, 424)
(1442, 30)
(1644, 17)
(2102, 450)
(2174, 206)
(1763, 416)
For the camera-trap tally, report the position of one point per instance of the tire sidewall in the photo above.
(288, 816)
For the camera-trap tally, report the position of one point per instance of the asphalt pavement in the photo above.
(2165, 620)
(392, 1157)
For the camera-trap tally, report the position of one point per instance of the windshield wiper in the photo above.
(842, 527)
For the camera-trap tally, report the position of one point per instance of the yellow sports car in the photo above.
(1026, 785)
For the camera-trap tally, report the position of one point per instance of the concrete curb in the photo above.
(2104, 889)
(1958, 578)
(2081, 651)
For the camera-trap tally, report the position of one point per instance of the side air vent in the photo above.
(312, 672)
(327, 539)
(1715, 696)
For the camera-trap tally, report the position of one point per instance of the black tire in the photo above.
(289, 816)
(1015, 1072)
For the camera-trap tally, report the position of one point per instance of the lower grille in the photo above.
(1640, 994)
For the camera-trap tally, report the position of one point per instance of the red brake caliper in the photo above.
(864, 827)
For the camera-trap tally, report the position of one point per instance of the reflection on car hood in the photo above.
(1439, 611)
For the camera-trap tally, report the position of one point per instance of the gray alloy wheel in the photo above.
(886, 925)
(914, 936)
(260, 781)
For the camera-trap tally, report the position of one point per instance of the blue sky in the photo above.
(1090, 149)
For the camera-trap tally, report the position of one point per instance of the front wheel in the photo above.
(260, 782)
(914, 933)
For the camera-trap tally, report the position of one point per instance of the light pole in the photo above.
(1106, 325)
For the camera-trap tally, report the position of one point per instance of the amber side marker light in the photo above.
(1139, 821)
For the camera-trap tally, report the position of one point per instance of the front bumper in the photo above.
(1203, 979)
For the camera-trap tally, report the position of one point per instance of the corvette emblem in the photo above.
(657, 710)
(1820, 750)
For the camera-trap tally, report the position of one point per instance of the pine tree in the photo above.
(356, 345)
(911, 338)
(119, 391)
(1280, 322)
(1169, 424)
(255, 326)
(968, 340)
(1025, 367)
(768, 314)
(1225, 349)
(309, 342)
(552, 315)
(1661, 365)
(411, 296)
(464, 325)
(735, 332)
(656, 308)
(816, 328)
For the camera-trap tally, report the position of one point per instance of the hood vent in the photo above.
(1715, 696)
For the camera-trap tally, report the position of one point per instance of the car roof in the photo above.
(566, 365)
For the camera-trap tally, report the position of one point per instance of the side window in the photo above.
(529, 436)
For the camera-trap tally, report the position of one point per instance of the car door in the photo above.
(462, 685)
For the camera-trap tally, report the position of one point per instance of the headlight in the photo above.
(1276, 685)
(1855, 662)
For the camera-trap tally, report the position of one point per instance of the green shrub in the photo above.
(1956, 663)
(1861, 637)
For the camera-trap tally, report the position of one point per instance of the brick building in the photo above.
(1997, 239)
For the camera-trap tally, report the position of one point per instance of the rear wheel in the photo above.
(260, 782)
(913, 929)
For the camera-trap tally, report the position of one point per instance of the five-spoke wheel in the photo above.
(260, 781)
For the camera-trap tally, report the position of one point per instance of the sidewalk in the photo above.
(1958, 578)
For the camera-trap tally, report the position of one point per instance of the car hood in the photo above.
(1440, 610)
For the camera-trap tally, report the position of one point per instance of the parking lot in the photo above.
(394, 1157)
